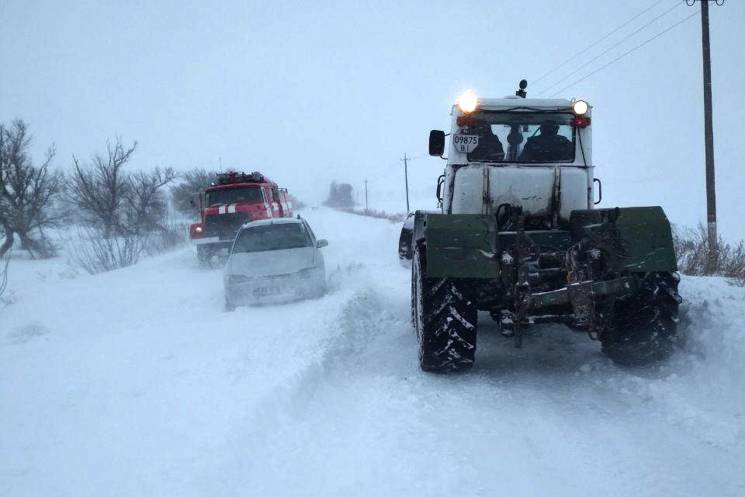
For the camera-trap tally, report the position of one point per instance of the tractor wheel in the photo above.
(413, 298)
(445, 320)
(644, 325)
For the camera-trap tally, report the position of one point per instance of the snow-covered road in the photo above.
(135, 382)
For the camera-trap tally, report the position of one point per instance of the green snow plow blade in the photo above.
(460, 245)
(633, 239)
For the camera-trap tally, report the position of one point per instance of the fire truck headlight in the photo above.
(468, 102)
(580, 107)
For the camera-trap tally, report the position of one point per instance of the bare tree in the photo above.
(7, 232)
(4, 273)
(123, 210)
(340, 196)
(192, 183)
(26, 192)
(100, 189)
(146, 207)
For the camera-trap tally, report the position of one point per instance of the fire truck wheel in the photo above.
(445, 320)
(228, 306)
(645, 324)
(204, 254)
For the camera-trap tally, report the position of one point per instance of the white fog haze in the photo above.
(165, 331)
(340, 90)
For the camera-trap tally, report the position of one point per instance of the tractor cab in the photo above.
(532, 153)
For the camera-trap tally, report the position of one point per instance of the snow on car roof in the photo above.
(276, 220)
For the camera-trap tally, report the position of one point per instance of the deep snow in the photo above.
(135, 382)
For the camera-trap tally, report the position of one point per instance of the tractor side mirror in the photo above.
(436, 143)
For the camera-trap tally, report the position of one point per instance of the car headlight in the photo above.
(306, 274)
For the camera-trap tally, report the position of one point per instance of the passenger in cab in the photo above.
(548, 146)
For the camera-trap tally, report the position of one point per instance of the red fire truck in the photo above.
(234, 199)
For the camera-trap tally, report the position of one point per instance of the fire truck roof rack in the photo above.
(231, 177)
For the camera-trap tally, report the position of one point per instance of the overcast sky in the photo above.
(313, 91)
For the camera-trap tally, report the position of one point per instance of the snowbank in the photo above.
(135, 382)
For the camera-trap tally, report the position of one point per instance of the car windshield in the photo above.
(234, 195)
(272, 237)
(528, 137)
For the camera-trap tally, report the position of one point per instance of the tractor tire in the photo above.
(644, 325)
(413, 299)
(445, 320)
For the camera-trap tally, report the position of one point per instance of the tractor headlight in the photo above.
(468, 102)
(580, 107)
(198, 229)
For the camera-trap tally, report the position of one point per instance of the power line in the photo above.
(615, 45)
(613, 61)
(595, 43)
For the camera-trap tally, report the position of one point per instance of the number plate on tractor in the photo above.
(465, 143)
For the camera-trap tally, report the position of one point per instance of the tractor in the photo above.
(518, 235)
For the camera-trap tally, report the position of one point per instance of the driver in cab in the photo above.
(489, 147)
(547, 146)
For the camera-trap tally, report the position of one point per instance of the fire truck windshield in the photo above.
(225, 196)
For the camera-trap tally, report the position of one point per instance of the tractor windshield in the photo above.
(525, 137)
(226, 196)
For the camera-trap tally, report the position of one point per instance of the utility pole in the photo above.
(365, 195)
(406, 179)
(711, 197)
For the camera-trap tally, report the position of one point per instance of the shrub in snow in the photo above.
(95, 253)
(27, 193)
(124, 214)
(693, 251)
(395, 218)
(173, 234)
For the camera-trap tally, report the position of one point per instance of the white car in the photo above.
(274, 260)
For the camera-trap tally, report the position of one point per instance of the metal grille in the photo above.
(225, 226)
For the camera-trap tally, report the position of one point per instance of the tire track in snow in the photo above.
(362, 318)
(364, 417)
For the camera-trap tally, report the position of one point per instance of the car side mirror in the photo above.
(436, 143)
(322, 243)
